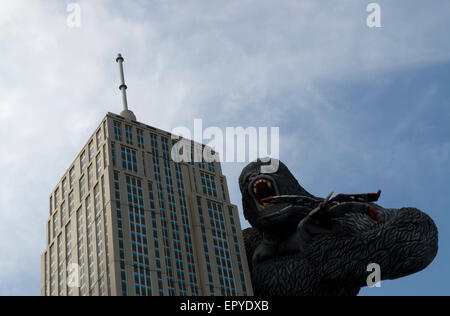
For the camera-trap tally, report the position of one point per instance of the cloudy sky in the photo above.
(359, 108)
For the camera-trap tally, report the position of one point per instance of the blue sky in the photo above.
(359, 109)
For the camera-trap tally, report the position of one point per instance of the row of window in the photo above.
(91, 262)
(127, 130)
(65, 208)
(94, 149)
(173, 235)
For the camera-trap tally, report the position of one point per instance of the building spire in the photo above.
(123, 88)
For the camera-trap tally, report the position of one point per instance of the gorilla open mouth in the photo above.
(263, 188)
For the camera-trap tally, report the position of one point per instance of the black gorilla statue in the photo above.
(303, 245)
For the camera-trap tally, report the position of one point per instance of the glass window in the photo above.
(91, 150)
(71, 203)
(56, 199)
(55, 223)
(129, 159)
(99, 138)
(118, 131)
(64, 188)
(99, 164)
(97, 200)
(129, 134)
(90, 177)
(140, 138)
(72, 177)
(83, 162)
(63, 213)
(82, 188)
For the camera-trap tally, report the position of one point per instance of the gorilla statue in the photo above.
(301, 245)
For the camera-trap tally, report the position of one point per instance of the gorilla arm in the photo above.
(401, 242)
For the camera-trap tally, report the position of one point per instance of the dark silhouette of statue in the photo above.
(303, 245)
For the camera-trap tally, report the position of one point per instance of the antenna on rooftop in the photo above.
(123, 88)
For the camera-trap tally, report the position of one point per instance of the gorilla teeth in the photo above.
(261, 181)
(263, 188)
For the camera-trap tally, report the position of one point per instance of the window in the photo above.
(129, 134)
(56, 198)
(97, 200)
(90, 241)
(98, 161)
(197, 156)
(165, 147)
(138, 230)
(55, 223)
(83, 162)
(154, 143)
(129, 160)
(221, 246)
(72, 177)
(82, 188)
(64, 188)
(208, 184)
(90, 177)
(91, 150)
(113, 153)
(81, 249)
(60, 265)
(151, 196)
(63, 213)
(68, 232)
(119, 224)
(52, 270)
(71, 203)
(140, 138)
(99, 138)
(117, 131)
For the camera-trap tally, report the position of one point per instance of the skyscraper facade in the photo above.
(126, 219)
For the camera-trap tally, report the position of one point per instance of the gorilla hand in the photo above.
(317, 222)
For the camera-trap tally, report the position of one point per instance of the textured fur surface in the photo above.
(402, 241)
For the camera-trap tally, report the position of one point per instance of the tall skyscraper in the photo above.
(125, 219)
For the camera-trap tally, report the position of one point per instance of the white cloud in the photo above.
(6, 111)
